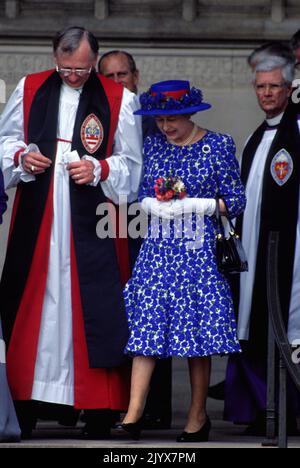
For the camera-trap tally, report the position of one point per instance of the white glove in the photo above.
(174, 208)
(152, 206)
(202, 206)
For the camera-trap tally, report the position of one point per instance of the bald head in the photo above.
(120, 66)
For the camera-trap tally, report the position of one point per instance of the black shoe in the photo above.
(200, 436)
(134, 429)
(217, 392)
(26, 413)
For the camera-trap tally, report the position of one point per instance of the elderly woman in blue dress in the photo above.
(177, 302)
(9, 427)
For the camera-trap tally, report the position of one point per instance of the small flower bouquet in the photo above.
(169, 188)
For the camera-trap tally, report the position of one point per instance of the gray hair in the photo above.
(272, 48)
(274, 63)
(68, 40)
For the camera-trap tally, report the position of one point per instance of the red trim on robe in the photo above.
(21, 354)
(93, 388)
(64, 141)
(104, 169)
(31, 85)
(16, 157)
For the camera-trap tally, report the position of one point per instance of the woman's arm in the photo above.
(230, 187)
(222, 208)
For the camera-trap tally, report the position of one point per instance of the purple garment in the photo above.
(246, 389)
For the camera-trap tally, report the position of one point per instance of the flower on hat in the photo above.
(172, 97)
(160, 101)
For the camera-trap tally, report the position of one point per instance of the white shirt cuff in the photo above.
(25, 176)
(97, 169)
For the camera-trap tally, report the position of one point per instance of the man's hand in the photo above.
(35, 163)
(82, 172)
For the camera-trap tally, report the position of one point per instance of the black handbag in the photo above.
(231, 257)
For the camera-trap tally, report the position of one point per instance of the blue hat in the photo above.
(171, 98)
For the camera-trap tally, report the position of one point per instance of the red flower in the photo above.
(168, 188)
(181, 195)
(168, 195)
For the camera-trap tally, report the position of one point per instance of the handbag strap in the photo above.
(219, 217)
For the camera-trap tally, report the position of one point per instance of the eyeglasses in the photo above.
(261, 88)
(65, 72)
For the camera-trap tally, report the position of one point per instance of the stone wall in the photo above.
(222, 74)
(153, 19)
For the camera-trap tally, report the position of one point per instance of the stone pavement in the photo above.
(223, 435)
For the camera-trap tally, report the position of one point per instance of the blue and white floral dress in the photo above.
(177, 302)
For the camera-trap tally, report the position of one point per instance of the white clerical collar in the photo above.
(72, 90)
(275, 120)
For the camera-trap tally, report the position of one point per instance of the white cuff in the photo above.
(25, 176)
(210, 206)
(97, 170)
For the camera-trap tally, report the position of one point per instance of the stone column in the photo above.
(189, 10)
(101, 9)
(278, 11)
(11, 8)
